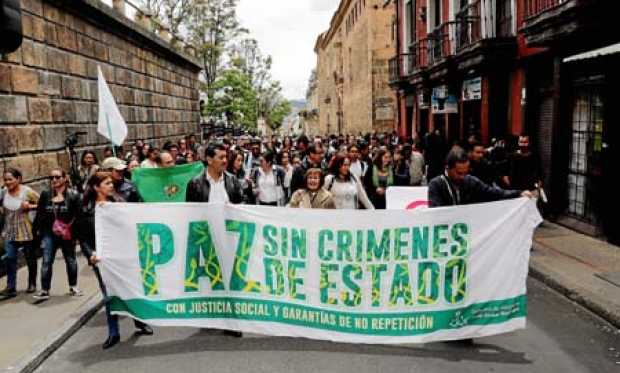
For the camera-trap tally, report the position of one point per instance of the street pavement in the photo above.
(28, 326)
(561, 336)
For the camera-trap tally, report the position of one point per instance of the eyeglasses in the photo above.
(55, 177)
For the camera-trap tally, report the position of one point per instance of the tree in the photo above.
(212, 25)
(234, 97)
(173, 13)
(278, 113)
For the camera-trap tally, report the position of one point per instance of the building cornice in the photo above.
(326, 37)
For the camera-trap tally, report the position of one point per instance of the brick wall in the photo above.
(48, 88)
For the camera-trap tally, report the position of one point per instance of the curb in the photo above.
(599, 310)
(40, 353)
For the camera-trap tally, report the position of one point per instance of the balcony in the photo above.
(442, 42)
(572, 25)
(536, 7)
(405, 65)
(474, 38)
(468, 27)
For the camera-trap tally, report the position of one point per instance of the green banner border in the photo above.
(379, 324)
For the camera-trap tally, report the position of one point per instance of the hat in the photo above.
(113, 163)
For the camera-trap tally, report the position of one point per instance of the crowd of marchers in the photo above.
(322, 172)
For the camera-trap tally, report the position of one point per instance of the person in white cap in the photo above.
(123, 187)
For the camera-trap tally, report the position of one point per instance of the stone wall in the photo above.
(48, 88)
(352, 66)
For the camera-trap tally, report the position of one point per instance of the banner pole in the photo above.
(107, 119)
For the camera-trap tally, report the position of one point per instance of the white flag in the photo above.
(111, 123)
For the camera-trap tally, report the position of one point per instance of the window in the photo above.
(436, 8)
(410, 20)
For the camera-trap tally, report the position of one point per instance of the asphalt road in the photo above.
(560, 337)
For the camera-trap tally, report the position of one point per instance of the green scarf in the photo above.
(375, 177)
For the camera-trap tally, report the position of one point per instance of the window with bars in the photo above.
(585, 151)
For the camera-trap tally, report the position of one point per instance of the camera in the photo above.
(72, 139)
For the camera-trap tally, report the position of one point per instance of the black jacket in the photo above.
(198, 189)
(47, 212)
(442, 192)
(84, 227)
(127, 191)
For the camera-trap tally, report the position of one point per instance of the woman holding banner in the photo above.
(313, 196)
(99, 191)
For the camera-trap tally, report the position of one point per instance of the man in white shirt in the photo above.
(214, 184)
(152, 156)
(358, 167)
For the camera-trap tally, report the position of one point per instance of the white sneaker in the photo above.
(42, 295)
(75, 292)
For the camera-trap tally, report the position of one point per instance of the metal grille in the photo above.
(585, 148)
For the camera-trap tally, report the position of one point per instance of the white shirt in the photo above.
(217, 190)
(357, 169)
(347, 193)
(147, 163)
(288, 176)
(267, 187)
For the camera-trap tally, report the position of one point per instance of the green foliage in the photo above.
(234, 97)
(236, 75)
(277, 114)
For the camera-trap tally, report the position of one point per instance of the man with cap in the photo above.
(124, 188)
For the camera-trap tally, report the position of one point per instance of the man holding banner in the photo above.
(457, 187)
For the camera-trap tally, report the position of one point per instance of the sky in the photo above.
(287, 30)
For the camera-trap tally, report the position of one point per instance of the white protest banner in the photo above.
(340, 275)
(406, 198)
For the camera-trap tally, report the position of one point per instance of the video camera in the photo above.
(72, 139)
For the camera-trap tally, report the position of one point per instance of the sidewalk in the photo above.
(583, 268)
(31, 331)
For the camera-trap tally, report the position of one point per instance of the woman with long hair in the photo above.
(346, 188)
(235, 167)
(312, 195)
(57, 211)
(17, 201)
(402, 177)
(284, 161)
(89, 164)
(379, 177)
(99, 191)
(268, 181)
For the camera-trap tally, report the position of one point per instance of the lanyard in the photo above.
(457, 200)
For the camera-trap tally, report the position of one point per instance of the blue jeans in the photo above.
(112, 320)
(11, 249)
(51, 243)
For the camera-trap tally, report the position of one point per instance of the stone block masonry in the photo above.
(48, 87)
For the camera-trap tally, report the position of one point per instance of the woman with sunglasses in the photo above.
(57, 211)
(17, 201)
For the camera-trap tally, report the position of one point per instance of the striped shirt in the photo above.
(18, 222)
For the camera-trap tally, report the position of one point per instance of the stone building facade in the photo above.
(48, 87)
(353, 69)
